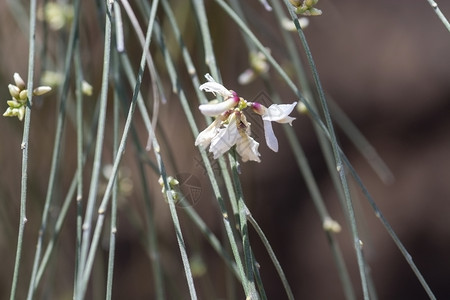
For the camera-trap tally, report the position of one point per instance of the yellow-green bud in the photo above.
(39, 91)
(15, 112)
(13, 90)
(23, 95)
(331, 225)
(14, 103)
(310, 3)
(303, 10)
(20, 112)
(301, 108)
(19, 81)
(314, 11)
(296, 3)
(86, 88)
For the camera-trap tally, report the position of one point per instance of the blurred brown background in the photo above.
(385, 63)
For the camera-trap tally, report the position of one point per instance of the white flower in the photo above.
(214, 87)
(231, 128)
(278, 113)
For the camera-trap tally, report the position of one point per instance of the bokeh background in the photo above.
(386, 64)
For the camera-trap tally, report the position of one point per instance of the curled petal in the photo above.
(224, 139)
(214, 87)
(205, 137)
(279, 113)
(271, 139)
(247, 148)
(218, 108)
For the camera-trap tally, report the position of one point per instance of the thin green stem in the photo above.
(389, 229)
(338, 160)
(113, 229)
(166, 186)
(439, 13)
(80, 159)
(24, 147)
(243, 228)
(272, 255)
(97, 156)
(362, 144)
(56, 149)
(210, 58)
(141, 157)
(118, 158)
(205, 159)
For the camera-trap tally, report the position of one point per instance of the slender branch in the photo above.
(24, 147)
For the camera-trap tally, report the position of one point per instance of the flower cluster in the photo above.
(231, 128)
(19, 95)
(306, 7)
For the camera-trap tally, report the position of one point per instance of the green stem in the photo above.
(243, 228)
(185, 105)
(56, 149)
(24, 147)
(338, 160)
(272, 255)
(97, 156)
(439, 13)
(113, 230)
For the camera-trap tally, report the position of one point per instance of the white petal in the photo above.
(218, 108)
(209, 77)
(286, 120)
(224, 139)
(279, 113)
(271, 139)
(214, 87)
(247, 148)
(205, 137)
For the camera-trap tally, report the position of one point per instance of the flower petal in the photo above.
(247, 148)
(214, 87)
(224, 139)
(271, 139)
(286, 120)
(279, 113)
(205, 137)
(218, 108)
